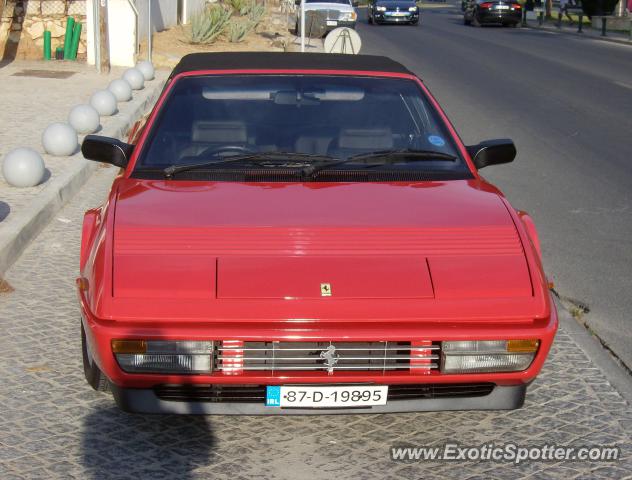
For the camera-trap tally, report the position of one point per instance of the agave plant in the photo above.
(237, 31)
(207, 25)
(256, 13)
(240, 6)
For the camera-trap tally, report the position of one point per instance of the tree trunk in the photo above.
(104, 45)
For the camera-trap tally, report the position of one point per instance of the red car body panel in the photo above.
(183, 260)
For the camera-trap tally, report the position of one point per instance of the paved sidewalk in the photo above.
(54, 426)
(587, 31)
(29, 102)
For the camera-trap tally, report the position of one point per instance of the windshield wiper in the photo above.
(169, 172)
(388, 157)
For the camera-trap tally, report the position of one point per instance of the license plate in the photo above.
(501, 7)
(325, 396)
(332, 23)
(397, 14)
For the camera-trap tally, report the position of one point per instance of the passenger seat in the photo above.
(353, 141)
(313, 144)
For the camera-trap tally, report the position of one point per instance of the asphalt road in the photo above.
(567, 103)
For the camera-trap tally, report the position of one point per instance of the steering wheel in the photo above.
(227, 149)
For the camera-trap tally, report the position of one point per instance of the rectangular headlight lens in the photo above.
(185, 357)
(495, 362)
(484, 356)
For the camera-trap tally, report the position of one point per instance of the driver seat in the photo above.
(208, 135)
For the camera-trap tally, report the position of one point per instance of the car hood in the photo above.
(233, 242)
(328, 6)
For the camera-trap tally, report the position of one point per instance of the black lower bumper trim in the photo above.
(147, 401)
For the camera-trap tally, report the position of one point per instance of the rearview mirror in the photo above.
(492, 152)
(106, 150)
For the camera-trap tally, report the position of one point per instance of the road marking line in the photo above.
(623, 84)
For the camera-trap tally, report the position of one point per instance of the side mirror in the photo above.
(297, 2)
(492, 152)
(106, 150)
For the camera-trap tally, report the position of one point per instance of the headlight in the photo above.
(380, 9)
(348, 16)
(158, 356)
(482, 356)
(412, 9)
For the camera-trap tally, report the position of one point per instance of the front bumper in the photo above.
(135, 392)
(340, 24)
(147, 401)
(499, 17)
(382, 17)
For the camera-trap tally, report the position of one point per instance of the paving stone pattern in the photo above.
(53, 425)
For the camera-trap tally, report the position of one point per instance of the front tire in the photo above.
(370, 20)
(467, 22)
(94, 376)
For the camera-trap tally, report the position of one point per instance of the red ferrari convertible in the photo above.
(298, 233)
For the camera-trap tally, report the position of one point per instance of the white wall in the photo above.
(190, 8)
(164, 14)
(122, 26)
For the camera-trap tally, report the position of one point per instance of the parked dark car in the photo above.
(393, 11)
(484, 12)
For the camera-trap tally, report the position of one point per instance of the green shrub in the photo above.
(239, 6)
(209, 24)
(256, 13)
(237, 31)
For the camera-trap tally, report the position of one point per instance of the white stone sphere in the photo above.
(60, 139)
(121, 90)
(23, 167)
(104, 102)
(84, 119)
(147, 69)
(135, 78)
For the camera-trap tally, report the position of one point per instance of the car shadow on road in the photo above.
(116, 444)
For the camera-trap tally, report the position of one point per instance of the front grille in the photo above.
(332, 14)
(257, 393)
(438, 390)
(237, 356)
(212, 393)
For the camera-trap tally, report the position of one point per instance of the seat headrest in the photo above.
(219, 132)
(366, 139)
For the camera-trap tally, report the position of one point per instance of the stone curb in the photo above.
(591, 346)
(18, 231)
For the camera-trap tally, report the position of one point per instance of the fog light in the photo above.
(158, 356)
(480, 356)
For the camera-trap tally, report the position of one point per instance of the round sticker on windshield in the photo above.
(436, 140)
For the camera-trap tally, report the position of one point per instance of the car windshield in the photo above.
(293, 120)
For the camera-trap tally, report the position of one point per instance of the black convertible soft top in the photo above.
(286, 61)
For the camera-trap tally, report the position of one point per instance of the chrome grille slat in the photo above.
(236, 356)
(407, 347)
(384, 358)
(318, 367)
